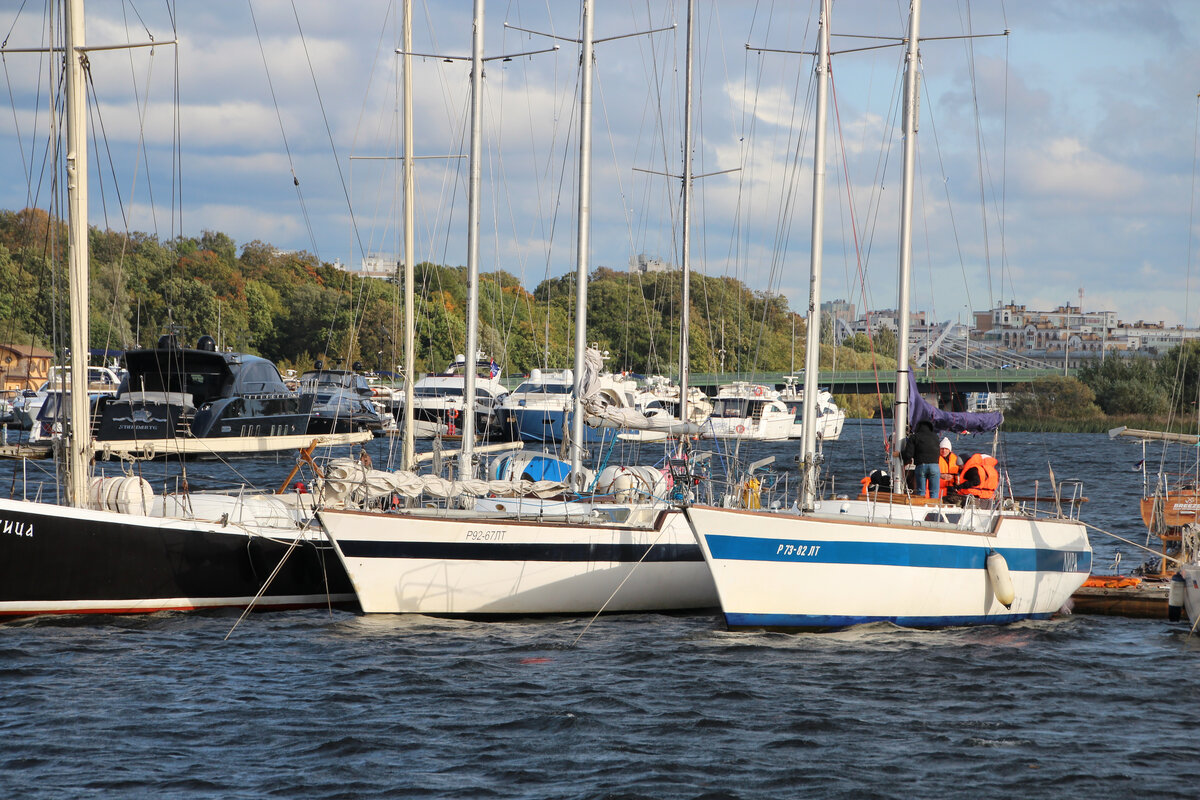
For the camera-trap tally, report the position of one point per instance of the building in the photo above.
(643, 264)
(379, 265)
(1068, 334)
(23, 366)
(838, 310)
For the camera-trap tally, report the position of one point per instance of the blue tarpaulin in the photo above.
(546, 469)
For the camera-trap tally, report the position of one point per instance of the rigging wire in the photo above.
(282, 129)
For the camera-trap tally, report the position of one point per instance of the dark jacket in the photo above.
(921, 447)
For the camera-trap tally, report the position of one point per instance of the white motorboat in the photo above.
(41, 411)
(749, 411)
(439, 404)
(830, 418)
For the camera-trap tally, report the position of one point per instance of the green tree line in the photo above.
(1159, 391)
(293, 309)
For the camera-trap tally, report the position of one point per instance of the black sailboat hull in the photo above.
(64, 560)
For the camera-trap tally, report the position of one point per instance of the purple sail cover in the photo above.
(958, 421)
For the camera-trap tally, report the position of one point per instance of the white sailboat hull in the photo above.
(481, 565)
(1191, 590)
(781, 570)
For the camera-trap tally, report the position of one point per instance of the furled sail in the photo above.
(599, 414)
(348, 481)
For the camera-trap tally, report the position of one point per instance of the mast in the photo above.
(686, 301)
(465, 467)
(79, 442)
(900, 408)
(812, 338)
(582, 251)
(407, 449)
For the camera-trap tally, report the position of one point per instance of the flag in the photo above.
(495, 369)
(1138, 465)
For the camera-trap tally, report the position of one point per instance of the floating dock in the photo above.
(1122, 596)
(36, 450)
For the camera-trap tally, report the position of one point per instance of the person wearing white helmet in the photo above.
(949, 464)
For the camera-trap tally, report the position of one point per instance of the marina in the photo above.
(578, 705)
(222, 578)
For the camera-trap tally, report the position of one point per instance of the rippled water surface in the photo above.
(337, 705)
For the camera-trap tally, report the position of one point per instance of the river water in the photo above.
(314, 704)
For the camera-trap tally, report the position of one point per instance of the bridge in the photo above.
(929, 381)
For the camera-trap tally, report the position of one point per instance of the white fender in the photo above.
(1002, 586)
(1175, 595)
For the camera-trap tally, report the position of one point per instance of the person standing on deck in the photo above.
(921, 448)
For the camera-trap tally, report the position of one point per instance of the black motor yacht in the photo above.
(171, 391)
(342, 401)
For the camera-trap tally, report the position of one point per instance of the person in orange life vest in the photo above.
(949, 464)
(979, 478)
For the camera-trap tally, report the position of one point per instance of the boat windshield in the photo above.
(202, 384)
(730, 407)
(544, 388)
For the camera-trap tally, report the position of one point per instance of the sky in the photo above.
(1057, 159)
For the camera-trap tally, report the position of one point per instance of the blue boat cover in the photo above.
(541, 468)
(958, 421)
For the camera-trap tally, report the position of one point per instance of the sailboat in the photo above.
(117, 547)
(603, 554)
(832, 563)
(1170, 509)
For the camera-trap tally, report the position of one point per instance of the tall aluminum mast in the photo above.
(79, 443)
(582, 252)
(900, 409)
(466, 455)
(812, 339)
(407, 454)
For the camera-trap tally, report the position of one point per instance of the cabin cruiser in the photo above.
(743, 410)
(171, 391)
(540, 408)
(662, 392)
(537, 409)
(342, 400)
(438, 400)
(830, 418)
(38, 412)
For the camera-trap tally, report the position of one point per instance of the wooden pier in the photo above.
(17, 451)
(1122, 596)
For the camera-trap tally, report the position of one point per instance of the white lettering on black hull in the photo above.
(16, 528)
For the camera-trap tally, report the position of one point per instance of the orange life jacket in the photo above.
(948, 466)
(989, 476)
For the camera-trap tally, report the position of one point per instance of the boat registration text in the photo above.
(485, 535)
(798, 550)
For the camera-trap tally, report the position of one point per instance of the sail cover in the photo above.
(599, 414)
(957, 421)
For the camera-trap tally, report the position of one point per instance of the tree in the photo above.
(1179, 371)
(1054, 396)
(1127, 386)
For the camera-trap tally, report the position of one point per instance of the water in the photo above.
(318, 705)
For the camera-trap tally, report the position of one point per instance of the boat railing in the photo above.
(1063, 502)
